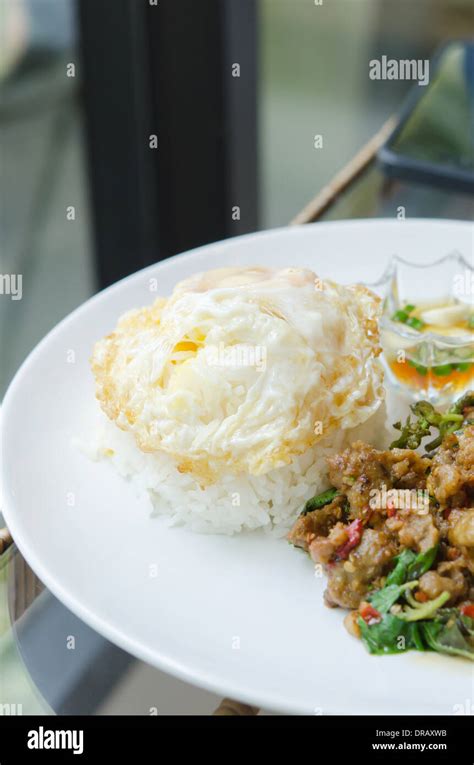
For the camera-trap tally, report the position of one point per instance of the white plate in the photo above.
(242, 616)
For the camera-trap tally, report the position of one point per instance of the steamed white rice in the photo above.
(236, 502)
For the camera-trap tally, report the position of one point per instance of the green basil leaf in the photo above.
(399, 574)
(454, 636)
(382, 600)
(391, 635)
(315, 503)
(422, 563)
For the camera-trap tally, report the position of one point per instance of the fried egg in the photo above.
(242, 368)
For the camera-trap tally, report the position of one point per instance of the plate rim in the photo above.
(204, 679)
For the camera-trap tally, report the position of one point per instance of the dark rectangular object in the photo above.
(165, 70)
(450, 172)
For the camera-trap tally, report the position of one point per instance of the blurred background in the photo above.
(128, 134)
(84, 197)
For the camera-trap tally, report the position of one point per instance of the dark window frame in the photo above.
(166, 70)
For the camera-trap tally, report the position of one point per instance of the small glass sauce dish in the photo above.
(427, 327)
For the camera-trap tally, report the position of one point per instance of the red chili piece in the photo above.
(369, 614)
(354, 530)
